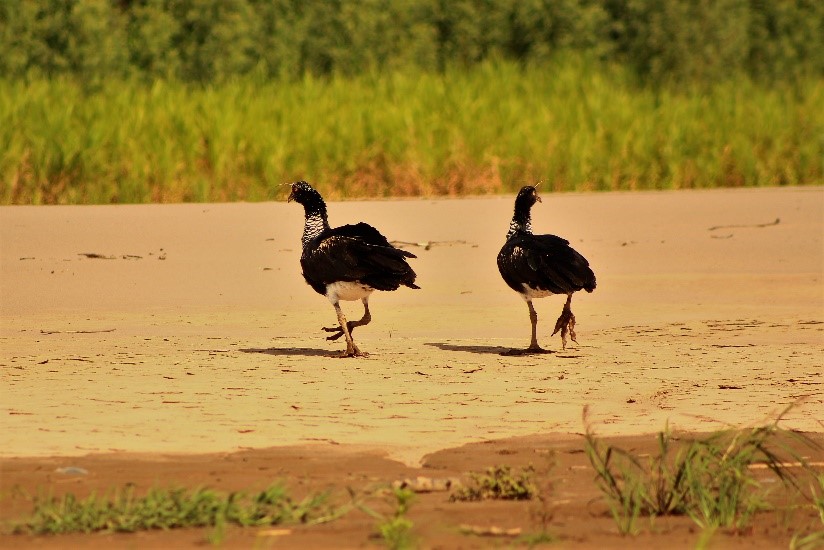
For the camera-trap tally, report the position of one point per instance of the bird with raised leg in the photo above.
(536, 266)
(347, 262)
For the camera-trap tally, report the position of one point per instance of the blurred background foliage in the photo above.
(169, 100)
(207, 41)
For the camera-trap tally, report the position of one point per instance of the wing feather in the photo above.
(544, 262)
(356, 253)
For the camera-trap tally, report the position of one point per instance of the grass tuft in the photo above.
(395, 528)
(711, 480)
(173, 508)
(498, 483)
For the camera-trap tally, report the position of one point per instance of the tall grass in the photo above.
(709, 479)
(575, 125)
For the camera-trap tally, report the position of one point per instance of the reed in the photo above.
(575, 124)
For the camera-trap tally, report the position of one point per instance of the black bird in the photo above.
(536, 266)
(347, 263)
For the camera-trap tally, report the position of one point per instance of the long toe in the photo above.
(561, 323)
(337, 330)
(566, 325)
(571, 328)
(568, 330)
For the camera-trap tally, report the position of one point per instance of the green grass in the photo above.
(574, 124)
(395, 528)
(815, 539)
(710, 479)
(123, 511)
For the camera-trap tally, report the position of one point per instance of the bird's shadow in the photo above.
(496, 350)
(306, 352)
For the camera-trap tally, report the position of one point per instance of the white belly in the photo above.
(532, 293)
(347, 291)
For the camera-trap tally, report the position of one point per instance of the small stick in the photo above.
(75, 331)
(768, 224)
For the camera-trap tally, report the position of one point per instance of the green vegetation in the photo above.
(810, 541)
(818, 497)
(216, 100)
(711, 479)
(207, 41)
(573, 124)
(543, 507)
(174, 508)
(395, 529)
(498, 483)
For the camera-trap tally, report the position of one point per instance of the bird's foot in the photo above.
(531, 350)
(352, 352)
(566, 324)
(350, 325)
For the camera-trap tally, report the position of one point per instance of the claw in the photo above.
(566, 324)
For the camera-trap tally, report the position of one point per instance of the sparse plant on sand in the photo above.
(542, 512)
(123, 511)
(618, 479)
(710, 479)
(809, 541)
(394, 529)
(818, 497)
(498, 483)
(501, 483)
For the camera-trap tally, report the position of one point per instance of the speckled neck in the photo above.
(521, 221)
(315, 224)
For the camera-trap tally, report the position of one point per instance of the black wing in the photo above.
(544, 262)
(364, 232)
(356, 253)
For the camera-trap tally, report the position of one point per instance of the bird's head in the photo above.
(303, 193)
(527, 196)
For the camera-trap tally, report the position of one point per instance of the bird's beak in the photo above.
(291, 193)
(537, 197)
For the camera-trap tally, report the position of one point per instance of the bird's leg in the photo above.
(566, 323)
(367, 317)
(351, 349)
(533, 344)
(533, 318)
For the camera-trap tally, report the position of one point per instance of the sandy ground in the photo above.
(194, 332)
